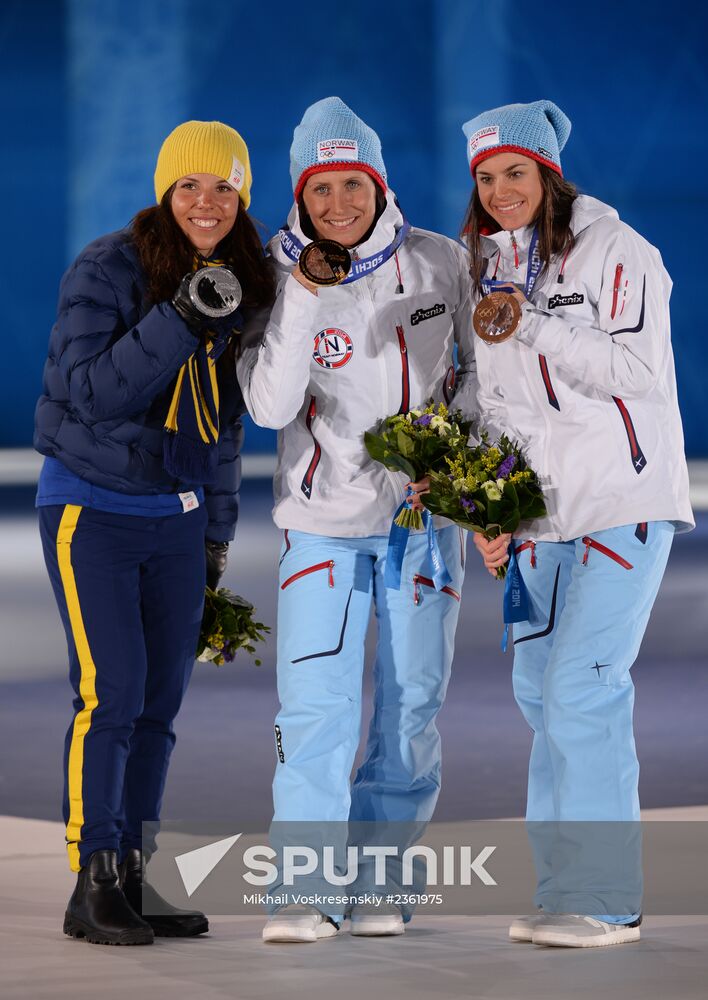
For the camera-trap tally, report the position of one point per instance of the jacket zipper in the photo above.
(546, 376)
(425, 581)
(616, 288)
(449, 384)
(306, 485)
(590, 543)
(515, 246)
(364, 288)
(530, 544)
(639, 460)
(405, 376)
(328, 565)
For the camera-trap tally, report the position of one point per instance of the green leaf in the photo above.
(405, 444)
(375, 446)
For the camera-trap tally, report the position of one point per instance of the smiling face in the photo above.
(341, 204)
(510, 189)
(205, 208)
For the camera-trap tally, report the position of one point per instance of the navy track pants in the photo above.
(130, 592)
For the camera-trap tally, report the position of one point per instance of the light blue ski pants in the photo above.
(590, 601)
(327, 587)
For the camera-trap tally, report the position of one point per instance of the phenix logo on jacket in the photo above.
(587, 385)
(332, 365)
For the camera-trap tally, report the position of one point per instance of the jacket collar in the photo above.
(389, 222)
(586, 210)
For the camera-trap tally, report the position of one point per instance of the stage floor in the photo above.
(222, 767)
(437, 957)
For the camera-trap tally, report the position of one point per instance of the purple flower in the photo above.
(506, 467)
(469, 505)
(423, 420)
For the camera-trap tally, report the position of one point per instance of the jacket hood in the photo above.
(587, 210)
(389, 222)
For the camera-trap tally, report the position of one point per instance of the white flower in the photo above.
(491, 490)
(208, 654)
(439, 423)
(414, 414)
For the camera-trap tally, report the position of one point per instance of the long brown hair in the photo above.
(167, 255)
(553, 221)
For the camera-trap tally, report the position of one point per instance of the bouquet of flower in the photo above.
(489, 489)
(227, 626)
(418, 443)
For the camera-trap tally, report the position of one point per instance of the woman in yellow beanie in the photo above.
(139, 423)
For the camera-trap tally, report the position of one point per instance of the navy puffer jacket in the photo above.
(109, 378)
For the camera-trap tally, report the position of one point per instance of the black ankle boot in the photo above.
(166, 920)
(98, 910)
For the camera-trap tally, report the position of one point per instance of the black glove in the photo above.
(216, 555)
(212, 297)
(195, 320)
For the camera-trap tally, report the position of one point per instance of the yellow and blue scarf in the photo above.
(190, 451)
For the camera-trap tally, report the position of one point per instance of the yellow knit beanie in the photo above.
(204, 148)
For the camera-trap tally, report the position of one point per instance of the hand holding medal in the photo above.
(207, 294)
(496, 318)
(325, 262)
(215, 291)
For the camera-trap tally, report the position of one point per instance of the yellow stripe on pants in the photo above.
(87, 686)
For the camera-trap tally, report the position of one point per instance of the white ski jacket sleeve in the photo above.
(632, 308)
(274, 388)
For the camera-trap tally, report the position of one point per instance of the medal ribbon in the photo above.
(533, 270)
(292, 248)
(397, 542)
(516, 598)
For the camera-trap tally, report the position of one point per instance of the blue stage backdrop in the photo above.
(92, 87)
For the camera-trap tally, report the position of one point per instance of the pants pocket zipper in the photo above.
(328, 565)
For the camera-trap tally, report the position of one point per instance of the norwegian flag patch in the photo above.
(333, 348)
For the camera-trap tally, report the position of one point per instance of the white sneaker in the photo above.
(382, 922)
(522, 928)
(569, 930)
(298, 924)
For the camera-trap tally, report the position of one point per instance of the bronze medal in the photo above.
(325, 262)
(496, 317)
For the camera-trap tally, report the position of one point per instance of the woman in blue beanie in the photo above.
(587, 384)
(334, 362)
(139, 423)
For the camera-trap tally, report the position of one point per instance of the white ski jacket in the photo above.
(587, 385)
(332, 365)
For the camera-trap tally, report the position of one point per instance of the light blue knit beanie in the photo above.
(331, 137)
(539, 130)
